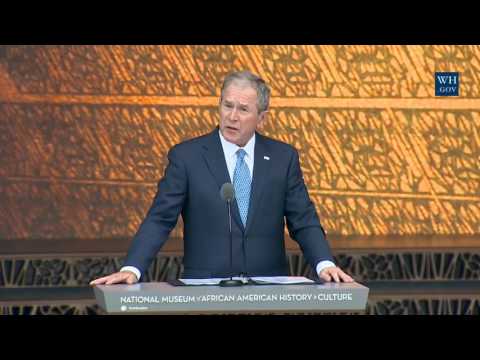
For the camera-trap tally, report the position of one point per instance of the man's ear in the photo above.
(262, 119)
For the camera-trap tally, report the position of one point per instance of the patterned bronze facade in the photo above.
(85, 130)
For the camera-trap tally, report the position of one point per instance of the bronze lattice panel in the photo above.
(363, 267)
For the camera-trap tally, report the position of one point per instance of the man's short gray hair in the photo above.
(263, 91)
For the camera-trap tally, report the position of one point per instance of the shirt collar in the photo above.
(230, 149)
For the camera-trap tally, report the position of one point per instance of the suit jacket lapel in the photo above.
(215, 159)
(261, 169)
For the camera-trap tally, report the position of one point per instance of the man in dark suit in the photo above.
(269, 189)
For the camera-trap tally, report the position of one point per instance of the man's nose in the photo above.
(234, 114)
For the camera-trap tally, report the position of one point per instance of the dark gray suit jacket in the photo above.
(191, 187)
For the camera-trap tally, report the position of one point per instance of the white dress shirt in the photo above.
(230, 153)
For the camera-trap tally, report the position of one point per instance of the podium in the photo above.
(164, 298)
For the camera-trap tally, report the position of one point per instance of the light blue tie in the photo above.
(242, 183)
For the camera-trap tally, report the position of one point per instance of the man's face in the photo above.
(239, 115)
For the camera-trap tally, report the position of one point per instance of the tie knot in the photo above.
(241, 154)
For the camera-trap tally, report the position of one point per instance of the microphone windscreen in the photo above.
(227, 192)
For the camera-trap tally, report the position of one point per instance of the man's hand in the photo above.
(333, 273)
(121, 277)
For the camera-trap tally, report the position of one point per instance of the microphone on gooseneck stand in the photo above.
(227, 193)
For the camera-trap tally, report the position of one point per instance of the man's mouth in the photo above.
(232, 128)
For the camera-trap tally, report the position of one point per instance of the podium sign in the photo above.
(163, 298)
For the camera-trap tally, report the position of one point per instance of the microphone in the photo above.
(227, 193)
